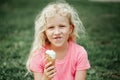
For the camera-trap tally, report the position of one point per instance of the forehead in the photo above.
(57, 19)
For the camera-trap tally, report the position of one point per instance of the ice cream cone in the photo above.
(50, 56)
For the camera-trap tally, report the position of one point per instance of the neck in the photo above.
(60, 48)
(60, 51)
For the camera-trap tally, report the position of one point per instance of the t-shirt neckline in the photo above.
(67, 54)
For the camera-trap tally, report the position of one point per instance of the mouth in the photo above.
(57, 38)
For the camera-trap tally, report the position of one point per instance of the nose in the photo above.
(57, 31)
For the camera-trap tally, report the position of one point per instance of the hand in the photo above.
(49, 71)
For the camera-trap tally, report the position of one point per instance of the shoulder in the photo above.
(37, 60)
(38, 53)
(79, 56)
(77, 48)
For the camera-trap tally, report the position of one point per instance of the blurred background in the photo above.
(101, 19)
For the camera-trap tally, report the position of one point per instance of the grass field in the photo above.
(102, 23)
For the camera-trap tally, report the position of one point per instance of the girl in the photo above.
(56, 28)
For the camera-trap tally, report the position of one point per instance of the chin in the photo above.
(58, 44)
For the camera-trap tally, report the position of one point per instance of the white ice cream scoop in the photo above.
(51, 53)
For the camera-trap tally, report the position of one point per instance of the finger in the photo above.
(48, 64)
(51, 71)
(52, 75)
(50, 68)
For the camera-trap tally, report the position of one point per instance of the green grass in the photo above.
(102, 41)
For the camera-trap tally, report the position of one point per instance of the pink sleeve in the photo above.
(82, 60)
(37, 63)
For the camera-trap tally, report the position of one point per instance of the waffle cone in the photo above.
(49, 59)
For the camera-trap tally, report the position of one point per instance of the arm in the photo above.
(80, 75)
(37, 76)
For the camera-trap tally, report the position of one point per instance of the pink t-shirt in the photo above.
(75, 59)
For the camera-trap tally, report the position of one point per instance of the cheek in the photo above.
(48, 34)
(68, 31)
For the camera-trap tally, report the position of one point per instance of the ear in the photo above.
(71, 28)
